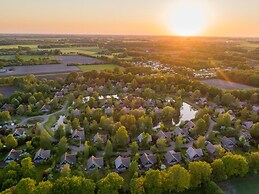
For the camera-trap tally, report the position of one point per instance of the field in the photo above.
(226, 85)
(7, 90)
(91, 51)
(98, 67)
(36, 57)
(248, 185)
(16, 46)
(7, 57)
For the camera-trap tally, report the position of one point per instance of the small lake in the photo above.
(187, 113)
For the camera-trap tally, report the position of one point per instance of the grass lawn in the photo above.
(100, 67)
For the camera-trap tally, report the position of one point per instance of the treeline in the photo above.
(196, 177)
(249, 77)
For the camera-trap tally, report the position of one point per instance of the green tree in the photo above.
(62, 145)
(20, 110)
(134, 148)
(121, 137)
(10, 142)
(177, 179)
(27, 167)
(43, 188)
(4, 116)
(255, 130)
(168, 113)
(112, 183)
(178, 142)
(161, 144)
(200, 143)
(32, 100)
(45, 140)
(76, 123)
(200, 173)
(65, 170)
(153, 182)
(137, 185)
(25, 186)
(201, 127)
(60, 132)
(218, 170)
(108, 150)
(235, 165)
(133, 168)
(253, 161)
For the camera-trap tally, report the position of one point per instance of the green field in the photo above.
(35, 57)
(91, 51)
(16, 46)
(100, 67)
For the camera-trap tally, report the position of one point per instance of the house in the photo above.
(166, 135)
(18, 133)
(157, 110)
(45, 108)
(140, 138)
(178, 131)
(245, 134)
(210, 148)
(173, 157)
(78, 135)
(202, 101)
(13, 155)
(102, 137)
(68, 159)
(90, 90)
(108, 111)
(125, 89)
(255, 108)
(150, 103)
(148, 160)
(220, 110)
(126, 110)
(194, 154)
(141, 108)
(100, 88)
(72, 86)
(77, 112)
(228, 143)
(189, 125)
(7, 107)
(59, 95)
(41, 155)
(121, 163)
(248, 124)
(94, 162)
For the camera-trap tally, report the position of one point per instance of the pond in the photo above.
(245, 185)
(187, 114)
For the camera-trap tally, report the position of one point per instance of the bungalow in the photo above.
(148, 160)
(255, 108)
(202, 101)
(13, 155)
(45, 108)
(121, 163)
(59, 95)
(228, 143)
(194, 154)
(102, 137)
(94, 162)
(41, 155)
(157, 110)
(140, 138)
(100, 88)
(125, 89)
(64, 90)
(166, 135)
(178, 131)
(68, 159)
(245, 134)
(72, 86)
(173, 157)
(220, 110)
(150, 103)
(90, 90)
(189, 125)
(210, 148)
(248, 124)
(77, 112)
(7, 107)
(108, 111)
(78, 135)
(18, 133)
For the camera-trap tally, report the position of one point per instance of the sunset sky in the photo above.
(137, 17)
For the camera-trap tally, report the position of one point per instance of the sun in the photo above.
(188, 18)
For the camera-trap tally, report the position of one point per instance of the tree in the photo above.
(4, 117)
(201, 127)
(235, 165)
(224, 120)
(86, 150)
(62, 145)
(200, 173)
(161, 144)
(255, 130)
(134, 147)
(27, 167)
(45, 140)
(253, 161)
(200, 143)
(65, 170)
(76, 123)
(178, 142)
(227, 99)
(167, 113)
(153, 182)
(108, 150)
(110, 184)
(121, 137)
(218, 170)
(60, 132)
(20, 110)
(133, 168)
(177, 179)
(32, 100)
(25, 186)
(137, 185)
(1, 144)
(43, 188)
(10, 142)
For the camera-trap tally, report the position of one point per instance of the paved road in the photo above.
(44, 118)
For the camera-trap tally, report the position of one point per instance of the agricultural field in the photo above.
(91, 51)
(227, 85)
(35, 57)
(98, 67)
(16, 46)
(7, 90)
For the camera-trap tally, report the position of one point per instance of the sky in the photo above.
(131, 17)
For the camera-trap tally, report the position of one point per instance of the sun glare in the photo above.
(188, 18)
